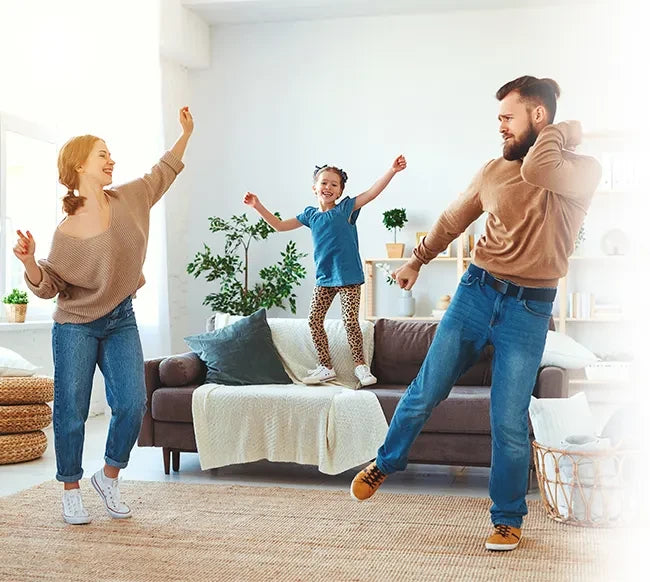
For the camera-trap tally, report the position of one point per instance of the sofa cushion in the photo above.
(466, 409)
(240, 354)
(400, 349)
(181, 370)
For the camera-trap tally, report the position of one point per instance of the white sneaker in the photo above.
(109, 491)
(362, 371)
(318, 375)
(74, 511)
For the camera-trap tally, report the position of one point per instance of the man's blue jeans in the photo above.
(113, 343)
(478, 315)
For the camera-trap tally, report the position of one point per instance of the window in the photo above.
(29, 200)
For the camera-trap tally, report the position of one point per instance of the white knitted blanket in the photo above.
(330, 426)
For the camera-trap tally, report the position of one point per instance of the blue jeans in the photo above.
(517, 328)
(113, 343)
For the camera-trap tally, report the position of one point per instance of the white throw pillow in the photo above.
(13, 364)
(562, 351)
(554, 419)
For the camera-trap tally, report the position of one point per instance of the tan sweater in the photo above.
(92, 276)
(535, 208)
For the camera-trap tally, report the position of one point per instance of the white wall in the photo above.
(279, 98)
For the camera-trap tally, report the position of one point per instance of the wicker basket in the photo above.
(16, 448)
(26, 389)
(16, 312)
(24, 417)
(587, 488)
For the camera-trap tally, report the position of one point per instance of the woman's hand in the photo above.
(398, 164)
(251, 200)
(187, 122)
(25, 247)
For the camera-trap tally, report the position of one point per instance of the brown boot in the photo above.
(366, 482)
(504, 537)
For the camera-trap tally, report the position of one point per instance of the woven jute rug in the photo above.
(202, 532)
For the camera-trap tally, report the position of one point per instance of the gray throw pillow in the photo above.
(240, 354)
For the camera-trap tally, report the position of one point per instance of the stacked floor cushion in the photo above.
(23, 413)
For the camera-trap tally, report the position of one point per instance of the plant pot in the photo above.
(395, 250)
(16, 312)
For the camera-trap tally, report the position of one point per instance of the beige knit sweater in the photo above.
(534, 206)
(93, 275)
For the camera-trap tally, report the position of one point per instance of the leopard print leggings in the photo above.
(320, 303)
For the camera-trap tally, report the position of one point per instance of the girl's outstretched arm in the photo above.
(253, 201)
(187, 124)
(399, 163)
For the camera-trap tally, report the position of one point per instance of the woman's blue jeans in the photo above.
(113, 343)
(480, 315)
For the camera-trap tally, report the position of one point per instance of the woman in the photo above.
(94, 269)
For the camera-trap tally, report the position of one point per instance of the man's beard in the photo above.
(516, 149)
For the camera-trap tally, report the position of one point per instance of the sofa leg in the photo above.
(176, 460)
(166, 454)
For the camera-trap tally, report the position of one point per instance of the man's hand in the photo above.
(405, 277)
(575, 135)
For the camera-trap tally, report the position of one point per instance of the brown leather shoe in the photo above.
(366, 482)
(504, 537)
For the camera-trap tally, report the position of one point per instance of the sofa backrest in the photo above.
(400, 349)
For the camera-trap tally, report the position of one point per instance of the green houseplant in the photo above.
(16, 305)
(395, 219)
(230, 270)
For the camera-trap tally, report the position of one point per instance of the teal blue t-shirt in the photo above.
(336, 244)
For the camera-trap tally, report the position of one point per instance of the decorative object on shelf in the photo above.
(469, 244)
(580, 238)
(406, 303)
(385, 267)
(615, 242)
(16, 306)
(419, 237)
(231, 272)
(395, 219)
(443, 302)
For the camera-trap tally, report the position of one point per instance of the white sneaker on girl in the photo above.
(362, 371)
(74, 511)
(319, 374)
(109, 491)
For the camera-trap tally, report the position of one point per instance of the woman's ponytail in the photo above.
(72, 202)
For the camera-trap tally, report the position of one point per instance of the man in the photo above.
(536, 197)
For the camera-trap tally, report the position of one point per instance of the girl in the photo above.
(338, 264)
(95, 268)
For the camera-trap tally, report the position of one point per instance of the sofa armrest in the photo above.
(152, 382)
(552, 382)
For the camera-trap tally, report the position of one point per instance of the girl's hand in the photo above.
(25, 246)
(187, 122)
(398, 164)
(251, 200)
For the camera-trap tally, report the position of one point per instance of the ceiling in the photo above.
(248, 11)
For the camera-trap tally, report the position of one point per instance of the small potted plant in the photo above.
(16, 306)
(394, 219)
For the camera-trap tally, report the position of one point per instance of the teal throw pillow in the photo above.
(240, 354)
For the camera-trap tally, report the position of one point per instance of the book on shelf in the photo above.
(580, 305)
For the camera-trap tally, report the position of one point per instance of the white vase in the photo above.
(406, 304)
